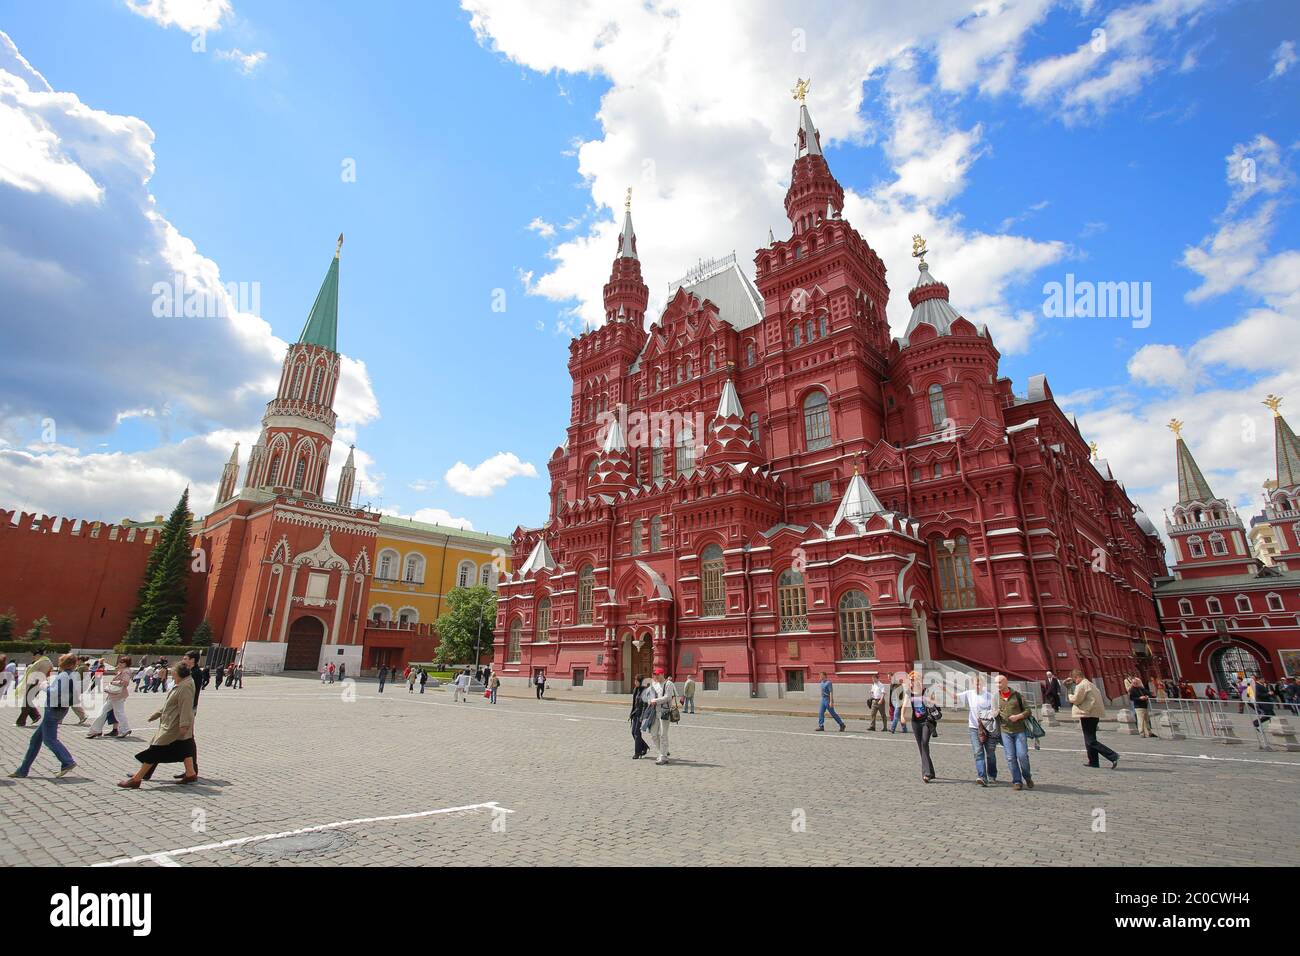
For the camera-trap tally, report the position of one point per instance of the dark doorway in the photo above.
(305, 637)
(1231, 661)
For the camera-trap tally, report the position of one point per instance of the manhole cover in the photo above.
(302, 844)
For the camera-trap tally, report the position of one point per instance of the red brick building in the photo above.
(1225, 612)
(761, 485)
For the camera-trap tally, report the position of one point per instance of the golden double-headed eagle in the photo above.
(800, 88)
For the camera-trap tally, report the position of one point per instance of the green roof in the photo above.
(1288, 454)
(1192, 485)
(323, 323)
(394, 522)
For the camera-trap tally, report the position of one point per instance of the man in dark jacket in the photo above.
(1052, 691)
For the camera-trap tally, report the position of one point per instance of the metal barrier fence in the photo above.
(1270, 726)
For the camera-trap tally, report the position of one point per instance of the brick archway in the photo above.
(306, 635)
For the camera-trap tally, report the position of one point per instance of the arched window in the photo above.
(1185, 607)
(656, 533)
(956, 582)
(414, 569)
(1213, 605)
(856, 640)
(316, 378)
(586, 583)
(381, 614)
(713, 603)
(816, 421)
(753, 426)
(751, 355)
(822, 325)
(792, 600)
(713, 361)
(516, 638)
(659, 381)
(487, 576)
(808, 330)
(938, 410)
(685, 451)
(1196, 546)
(636, 536)
(1217, 544)
(1243, 604)
(408, 616)
(295, 390)
(465, 574)
(387, 565)
(798, 335)
(543, 621)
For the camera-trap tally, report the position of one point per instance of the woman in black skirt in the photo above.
(174, 742)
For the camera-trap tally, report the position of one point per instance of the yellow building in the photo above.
(418, 564)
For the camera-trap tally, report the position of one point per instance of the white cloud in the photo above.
(188, 15)
(542, 228)
(489, 475)
(1284, 57)
(1163, 365)
(698, 119)
(246, 62)
(432, 516)
(87, 266)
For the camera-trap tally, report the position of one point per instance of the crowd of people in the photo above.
(46, 692)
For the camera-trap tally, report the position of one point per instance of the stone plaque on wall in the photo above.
(792, 650)
(688, 658)
(600, 659)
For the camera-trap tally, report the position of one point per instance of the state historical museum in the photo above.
(761, 485)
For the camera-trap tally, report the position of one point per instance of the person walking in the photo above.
(29, 689)
(541, 684)
(60, 695)
(878, 704)
(115, 693)
(1140, 698)
(1052, 691)
(410, 680)
(81, 674)
(663, 698)
(494, 684)
(1012, 713)
(897, 696)
(828, 704)
(239, 676)
(8, 677)
(1088, 707)
(460, 686)
(192, 658)
(982, 722)
(924, 716)
(174, 741)
(331, 672)
(688, 695)
(383, 676)
(324, 674)
(424, 679)
(639, 747)
(221, 670)
(343, 670)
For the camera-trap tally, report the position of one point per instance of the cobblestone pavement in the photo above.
(401, 779)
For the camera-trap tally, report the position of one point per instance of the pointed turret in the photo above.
(730, 439)
(626, 295)
(1192, 486)
(1208, 535)
(1286, 448)
(540, 559)
(229, 478)
(813, 190)
(859, 504)
(347, 479)
(929, 297)
(1282, 505)
(614, 465)
(322, 324)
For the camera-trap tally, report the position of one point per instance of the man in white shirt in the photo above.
(461, 685)
(879, 695)
(663, 696)
(979, 706)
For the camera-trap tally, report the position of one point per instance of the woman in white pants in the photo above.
(115, 693)
(663, 695)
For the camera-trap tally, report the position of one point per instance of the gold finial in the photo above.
(800, 88)
(918, 249)
(1176, 427)
(627, 203)
(1273, 401)
(1092, 447)
(339, 247)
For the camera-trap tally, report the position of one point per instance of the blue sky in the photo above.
(492, 144)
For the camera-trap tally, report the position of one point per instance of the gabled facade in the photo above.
(760, 484)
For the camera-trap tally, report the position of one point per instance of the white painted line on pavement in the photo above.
(167, 857)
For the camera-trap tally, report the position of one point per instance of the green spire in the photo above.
(1288, 453)
(1192, 485)
(323, 323)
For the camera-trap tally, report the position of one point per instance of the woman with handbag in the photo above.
(1012, 714)
(924, 716)
(663, 697)
(639, 747)
(174, 742)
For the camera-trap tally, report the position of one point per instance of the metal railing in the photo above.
(1225, 721)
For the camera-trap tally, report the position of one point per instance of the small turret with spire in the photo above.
(1208, 536)
(613, 472)
(347, 479)
(229, 478)
(626, 294)
(1282, 508)
(814, 193)
(730, 438)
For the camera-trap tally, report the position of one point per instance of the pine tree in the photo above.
(171, 633)
(202, 636)
(166, 584)
(134, 633)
